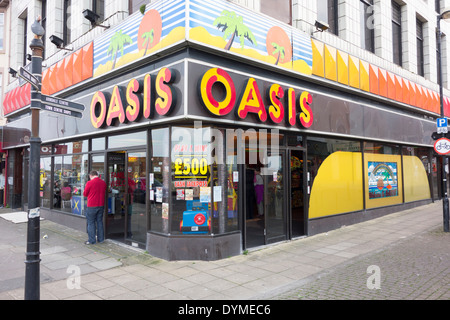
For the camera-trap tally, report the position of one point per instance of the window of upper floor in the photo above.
(327, 11)
(98, 6)
(397, 32)
(280, 10)
(420, 49)
(67, 14)
(22, 39)
(367, 25)
(135, 5)
(2, 30)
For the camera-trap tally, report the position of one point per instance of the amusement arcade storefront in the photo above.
(207, 153)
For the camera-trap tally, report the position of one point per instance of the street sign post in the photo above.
(39, 102)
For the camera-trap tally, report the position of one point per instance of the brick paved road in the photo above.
(416, 268)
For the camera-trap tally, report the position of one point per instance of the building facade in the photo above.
(221, 126)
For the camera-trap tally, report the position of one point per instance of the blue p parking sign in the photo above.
(441, 124)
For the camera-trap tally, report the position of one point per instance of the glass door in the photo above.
(136, 203)
(126, 219)
(115, 219)
(265, 201)
(297, 192)
(274, 199)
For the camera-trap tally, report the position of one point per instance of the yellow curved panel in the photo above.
(364, 75)
(330, 63)
(415, 178)
(337, 187)
(353, 71)
(342, 66)
(318, 68)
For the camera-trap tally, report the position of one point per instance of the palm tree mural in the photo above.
(148, 39)
(118, 41)
(233, 26)
(150, 31)
(279, 51)
(278, 45)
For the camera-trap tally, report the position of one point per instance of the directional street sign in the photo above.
(28, 77)
(27, 67)
(61, 103)
(66, 112)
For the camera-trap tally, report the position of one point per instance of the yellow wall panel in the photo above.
(342, 67)
(416, 180)
(353, 71)
(318, 59)
(337, 187)
(364, 80)
(330, 63)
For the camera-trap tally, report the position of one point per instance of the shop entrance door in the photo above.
(126, 219)
(275, 198)
(276, 201)
(116, 214)
(265, 201)
(298, 186)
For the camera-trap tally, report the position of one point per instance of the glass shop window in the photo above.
(98, 144)
(191, 181)
(225, 187)
(159, 180)
(128, 140)
(375, 147)
(45, 191)
(69, 183)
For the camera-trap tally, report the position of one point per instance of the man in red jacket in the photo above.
(95, 192)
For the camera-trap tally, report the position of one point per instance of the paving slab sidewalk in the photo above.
(114, 271)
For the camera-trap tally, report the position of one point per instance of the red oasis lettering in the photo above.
(209, 79)
(277, 104)
(136, 100)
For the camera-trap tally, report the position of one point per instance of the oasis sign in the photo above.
(154, 94)
(136, 100)
(275, 105)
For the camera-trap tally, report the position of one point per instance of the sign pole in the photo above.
(32, 263)
(441, 99)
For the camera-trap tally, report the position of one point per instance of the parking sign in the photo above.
(442, 125)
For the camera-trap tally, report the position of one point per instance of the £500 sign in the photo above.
(442, 146)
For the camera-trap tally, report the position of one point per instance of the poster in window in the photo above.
(205, 194)
(189, 194)
(383, 181)
(180, 194)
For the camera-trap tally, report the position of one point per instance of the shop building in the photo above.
(213, 142)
